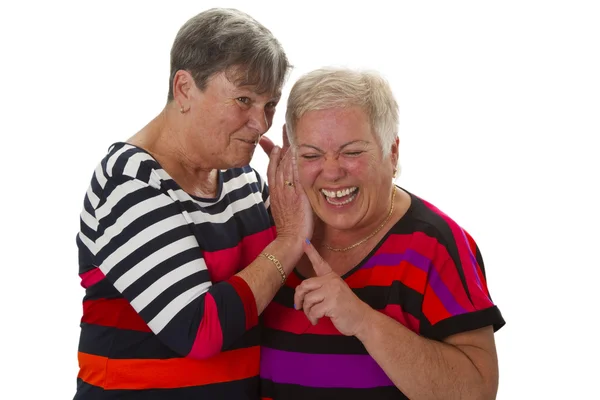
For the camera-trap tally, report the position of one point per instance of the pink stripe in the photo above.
(209, 338)
(478, 297)
(91, 277)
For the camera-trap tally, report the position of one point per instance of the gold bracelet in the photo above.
(275, 261)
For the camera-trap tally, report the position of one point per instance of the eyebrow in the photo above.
(341, 147)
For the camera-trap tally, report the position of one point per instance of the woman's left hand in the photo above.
(327, 295)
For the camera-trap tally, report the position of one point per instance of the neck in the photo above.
(164, 138)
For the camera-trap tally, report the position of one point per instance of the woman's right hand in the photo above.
(289, 204)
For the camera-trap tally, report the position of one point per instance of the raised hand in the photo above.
(327, 295)
(289, 204)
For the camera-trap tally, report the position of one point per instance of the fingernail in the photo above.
(307, 241)
(276, 149)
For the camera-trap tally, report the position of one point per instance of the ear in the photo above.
(394, 154)
(284, 137)
(183, 83)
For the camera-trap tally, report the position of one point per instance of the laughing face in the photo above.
(342, 168)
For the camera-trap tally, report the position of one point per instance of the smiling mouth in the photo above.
(340, 197)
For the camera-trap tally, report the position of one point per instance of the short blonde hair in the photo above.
(328, 88)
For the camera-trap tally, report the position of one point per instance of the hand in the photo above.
(327, 295)
(289, 204)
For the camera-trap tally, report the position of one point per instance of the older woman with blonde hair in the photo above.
(391, 300)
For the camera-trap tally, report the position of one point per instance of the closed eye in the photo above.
(353, 153)
(310, 156)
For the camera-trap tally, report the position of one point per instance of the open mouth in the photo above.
(340, 197)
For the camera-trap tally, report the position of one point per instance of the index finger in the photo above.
(319, 265)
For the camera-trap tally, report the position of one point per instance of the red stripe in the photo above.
(433, 308)
(405, 272)
(245, 293)
(223, 264)
(117, 313)
(287, 319)
(478, 297)
(209, 338)
(91, 277)
(396, 312)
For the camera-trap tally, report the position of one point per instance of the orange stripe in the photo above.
(169, 373)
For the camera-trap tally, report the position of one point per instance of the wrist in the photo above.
(368, 325)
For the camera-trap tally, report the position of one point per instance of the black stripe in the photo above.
(463, 323)
(443, 233)
(280, 391)
(141, 252)
(246, 389)
(102, 290)
(376, 297)
(132, 199)
(231, 312)
(163, 268)
(107, 341)
(194, 310)
(309, 343)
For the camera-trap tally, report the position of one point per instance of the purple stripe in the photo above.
(321, 370)
(473, 260)
(442, 292)
(392, 260)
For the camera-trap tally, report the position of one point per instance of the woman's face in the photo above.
(227, 121)
(342, 169)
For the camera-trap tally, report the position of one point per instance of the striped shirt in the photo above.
(426, 273)
(163, 314)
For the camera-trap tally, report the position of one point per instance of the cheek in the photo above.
(308, 172)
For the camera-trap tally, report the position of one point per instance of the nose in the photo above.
(332, 169)
(258, 120)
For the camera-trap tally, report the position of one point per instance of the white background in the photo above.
(500, 105)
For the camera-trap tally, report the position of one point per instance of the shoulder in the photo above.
(438, 230)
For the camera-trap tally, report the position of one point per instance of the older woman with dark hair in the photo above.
(391, 301)
(177, 247)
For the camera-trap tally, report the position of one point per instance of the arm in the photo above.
(144, 246)
(463, 366)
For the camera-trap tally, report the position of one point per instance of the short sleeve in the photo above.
(456, 297)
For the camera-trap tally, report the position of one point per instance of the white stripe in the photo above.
(94, 200)
(89, 220)
(136, 241)
(166, 315)
(165, 282)
(113, 159)
(99, 172)
(160, 255)
(125, 189)
(133, 164)
(200, 217)
(268, 202)
(88, 243)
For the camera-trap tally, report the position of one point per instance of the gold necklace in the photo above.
(372, 234)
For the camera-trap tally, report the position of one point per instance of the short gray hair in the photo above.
(228, 40)
(327, 88)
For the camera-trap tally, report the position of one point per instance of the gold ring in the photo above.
(288, 183)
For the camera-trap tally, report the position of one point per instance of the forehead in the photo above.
(334, 125)
(224, 84)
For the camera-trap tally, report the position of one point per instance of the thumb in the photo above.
(319, 265)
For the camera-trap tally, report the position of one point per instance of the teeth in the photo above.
(348, 200)
(339, 193)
